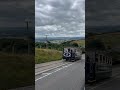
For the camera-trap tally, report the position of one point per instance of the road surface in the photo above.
(109, 84)
(70, 76)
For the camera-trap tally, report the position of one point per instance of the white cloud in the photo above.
(59, 17)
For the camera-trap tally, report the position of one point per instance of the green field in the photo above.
(47, 55)
(16, 70)
(43, 55)
(79, 42)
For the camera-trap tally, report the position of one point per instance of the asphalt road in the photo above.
(109, 84)
(67, 77)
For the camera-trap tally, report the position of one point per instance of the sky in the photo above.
(13, 16)
(102, 13)
(60, 18)
(13, 13)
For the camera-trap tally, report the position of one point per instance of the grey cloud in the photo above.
(61, 16)
(102, 12)
(14, 12)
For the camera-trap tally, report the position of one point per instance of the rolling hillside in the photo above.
(79, 42)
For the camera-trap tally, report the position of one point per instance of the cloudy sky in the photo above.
(102, 13)
(13, 13)
(59, 18)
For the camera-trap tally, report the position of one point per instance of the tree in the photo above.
(75, 45)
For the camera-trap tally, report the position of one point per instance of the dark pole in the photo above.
(27, 25)
(46, 42)
(13, 47)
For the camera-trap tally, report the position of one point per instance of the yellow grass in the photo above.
(47, 55)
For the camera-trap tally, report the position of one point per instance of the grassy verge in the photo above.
(47, 55)
(16, 71)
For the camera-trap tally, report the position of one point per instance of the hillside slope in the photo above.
(47, 55)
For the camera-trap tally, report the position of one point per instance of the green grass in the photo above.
(47, 55)
(79, 42)
(16, 71)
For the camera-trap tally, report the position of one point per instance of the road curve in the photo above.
(70, 77)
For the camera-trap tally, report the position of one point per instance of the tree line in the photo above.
(55, 46)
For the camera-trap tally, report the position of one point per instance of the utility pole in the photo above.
(46, 42)
(13, 47)
(27, 27)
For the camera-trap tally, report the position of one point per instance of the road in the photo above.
(70, 76)
(109, 84)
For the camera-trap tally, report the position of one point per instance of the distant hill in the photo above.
(16, 32)
(43, 39)
(103, 29)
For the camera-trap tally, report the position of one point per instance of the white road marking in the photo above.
(56, 62)
(45, 73)
(54, 71)
(49, 69)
